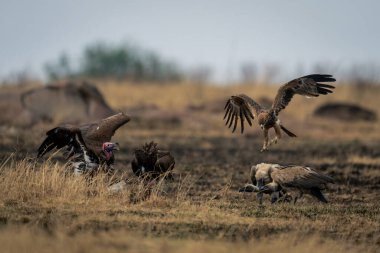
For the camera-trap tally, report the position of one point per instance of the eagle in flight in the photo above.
(239, 107)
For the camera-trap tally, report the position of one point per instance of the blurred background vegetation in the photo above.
(120, 61)
(130, 62)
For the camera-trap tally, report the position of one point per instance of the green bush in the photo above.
(101, 60)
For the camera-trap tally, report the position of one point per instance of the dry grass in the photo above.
(176, 99)
(190, 109)
(180, 96)
(19, 241)
(51, 210)
(365, 160)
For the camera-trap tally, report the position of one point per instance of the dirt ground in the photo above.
(202, 208)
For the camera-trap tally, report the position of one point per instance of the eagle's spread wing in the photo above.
(58, 138)
(95, 134)
(305, 86)
(300, 177)
(239, 106)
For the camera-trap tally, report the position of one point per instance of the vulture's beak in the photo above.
(264, 189)
(249, 188)
(260, 184)
(108, 148)
(262, 126)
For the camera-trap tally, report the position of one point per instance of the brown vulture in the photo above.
(87, 146)
(245, 108)
(151, 162)
(260, 175)
(299, 178)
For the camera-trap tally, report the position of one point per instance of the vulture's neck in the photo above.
(110, 161)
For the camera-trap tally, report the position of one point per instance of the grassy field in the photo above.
(42, 209)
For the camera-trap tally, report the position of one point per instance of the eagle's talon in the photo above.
(273, 141)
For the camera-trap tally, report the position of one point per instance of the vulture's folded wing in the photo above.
(302, 177)
(165, 162)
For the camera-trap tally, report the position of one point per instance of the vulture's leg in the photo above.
(281, 196)
(287, 197)
(274, 197)
(266, 140)
(298, 197)
(259, 197)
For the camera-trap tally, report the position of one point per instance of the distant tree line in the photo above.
(101, 60)
(128, 62)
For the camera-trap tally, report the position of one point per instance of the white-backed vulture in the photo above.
(300, 178)
(260, 176)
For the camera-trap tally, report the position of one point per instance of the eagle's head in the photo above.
(108, 149)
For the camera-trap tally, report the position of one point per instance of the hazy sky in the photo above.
(222, 34)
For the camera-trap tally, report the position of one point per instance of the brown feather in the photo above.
(238, 108)
(96, 134)
(300, 177)
(154, 161)
(229, 109)
(305, 86)
(58, 138)
(92, 135)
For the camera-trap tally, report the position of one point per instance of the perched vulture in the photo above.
(240, 106)
(152, 162)
(302, 179)
(87, 146)
(260, 176)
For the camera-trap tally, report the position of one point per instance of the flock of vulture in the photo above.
(89, 149)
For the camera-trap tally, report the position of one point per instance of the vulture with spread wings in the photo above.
(87, 146)
(245, 108)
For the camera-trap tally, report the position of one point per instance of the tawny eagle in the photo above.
(239, 107)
